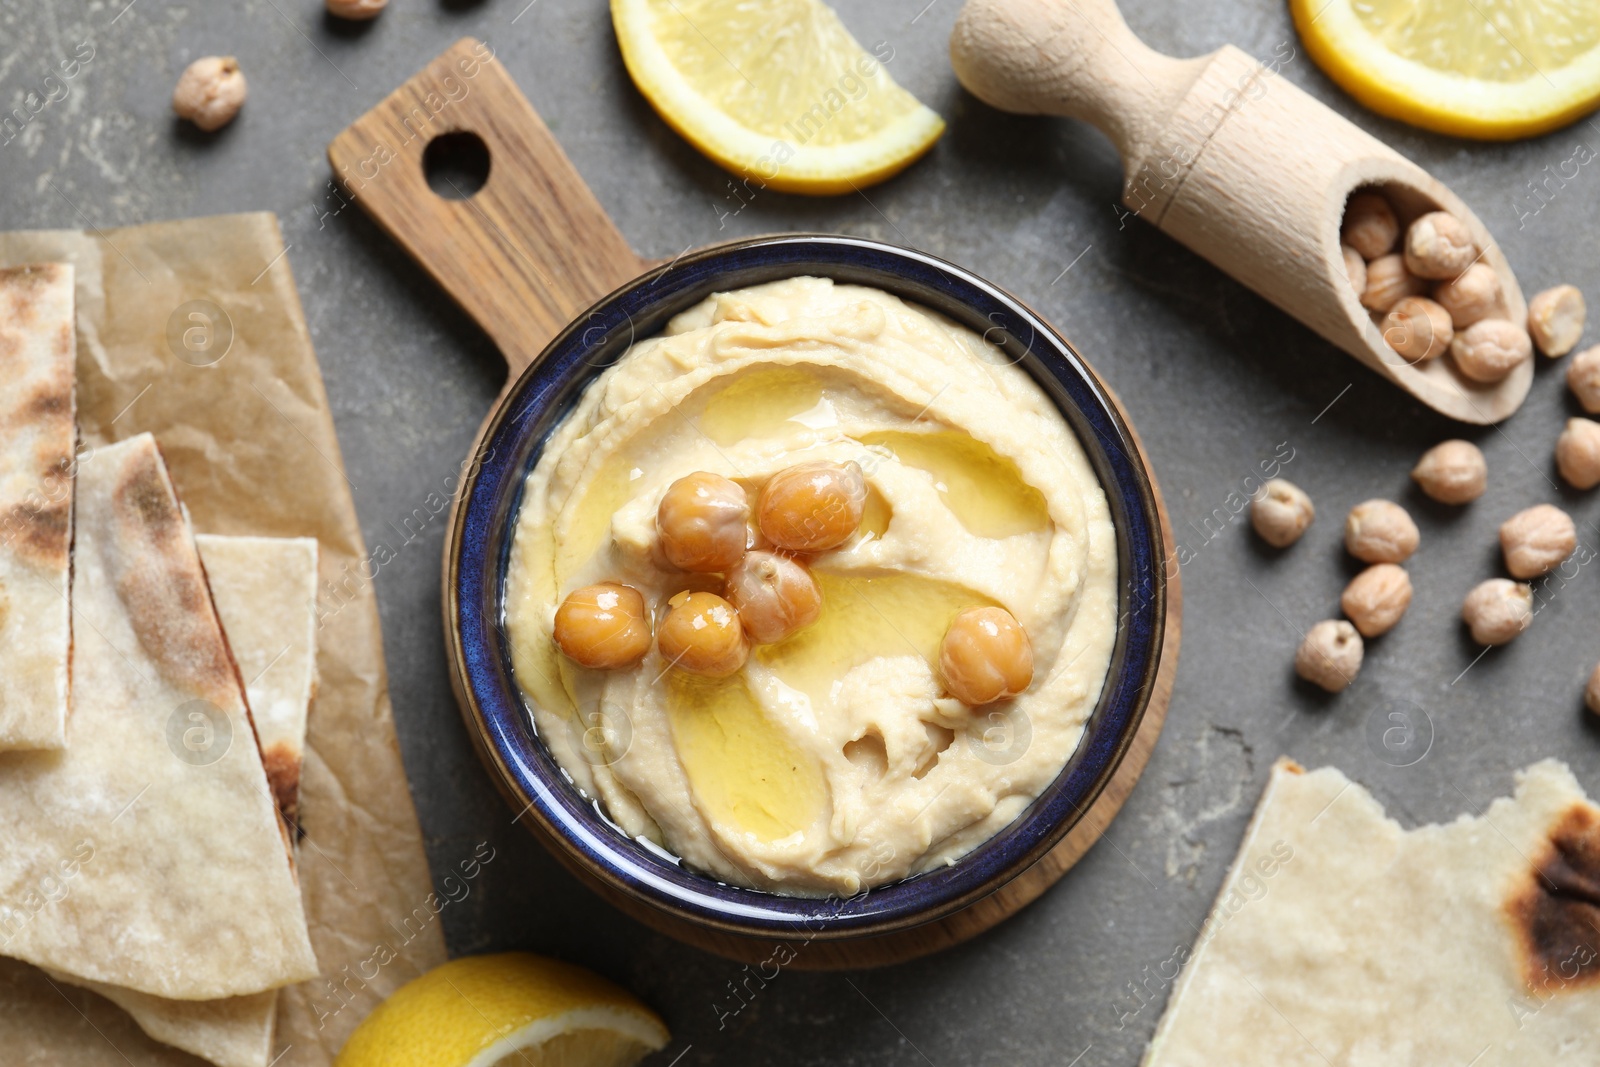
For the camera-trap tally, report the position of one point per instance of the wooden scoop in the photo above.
(1236, 163)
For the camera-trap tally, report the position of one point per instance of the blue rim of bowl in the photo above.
(477, 556)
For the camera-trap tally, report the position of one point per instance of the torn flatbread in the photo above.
(265, 589)
(37, 436)
(181, 884)
(1339, 937)
(232, 1032)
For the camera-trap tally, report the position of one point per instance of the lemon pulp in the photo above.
(1495, 69)
(1508, 41)
(777, 91)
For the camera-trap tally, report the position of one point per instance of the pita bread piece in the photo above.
(265, 589)
(1340, 937)
(182, 885)
(37, 437)
(233, 1032)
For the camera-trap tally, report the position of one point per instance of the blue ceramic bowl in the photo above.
(477, 558)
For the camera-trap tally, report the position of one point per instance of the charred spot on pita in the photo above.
(142, 498)
(1556, 912)
(159, 579)
(38, 529)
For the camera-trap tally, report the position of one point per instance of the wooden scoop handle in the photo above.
(1075, 58)
(525, 253)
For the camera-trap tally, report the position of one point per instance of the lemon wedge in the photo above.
(1491, 69)
(514, 1009)
(777, 92)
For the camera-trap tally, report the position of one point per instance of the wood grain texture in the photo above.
(1237, 164)
(530, 249)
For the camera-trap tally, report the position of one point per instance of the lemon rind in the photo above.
(1404, 89)
(815, 170)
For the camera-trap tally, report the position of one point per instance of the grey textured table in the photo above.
(1216, 380)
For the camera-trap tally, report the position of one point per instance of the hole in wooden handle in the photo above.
(456, 164)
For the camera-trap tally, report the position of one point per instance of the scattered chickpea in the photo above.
(1583, 378)
(703, 522)
(1497, 610)
(1439, 245)
(1418, 329)
(1578, 453)
(210, 92)
(1472, 295)
(812, 507)
(1555, 320)
(1591, 692)
(1452, 472)
(1330, 655)
(1369, 225)
(775, 596)
(1537, 539)
(1355, 268)
(603, 627)
(1388, 283)
(1280, 513)
(356, 10)
(985, 656)
(701, 634)
(1380, 531)
(1490, 349)
(1376, 598)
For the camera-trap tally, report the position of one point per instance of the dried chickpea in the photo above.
(1497, 610)
(1439, 245)
(1583, 378)
(1330, 655)
(703, 522)
(1369, 225)
(1418, 329)
(1537, 539)
(1591, 692)
(1578, 453)
(1280, 513)
(604, 627)
(356, 10)
(775, 596)
(812, 507)
(1452, 472)
(1472, 295)
(985, 656)
(210, 92)
(1380, 531)
(1355, 268)
(1555, 320)
(1490, 349)
(1376, 598)
(702, 634)
(1388, 283)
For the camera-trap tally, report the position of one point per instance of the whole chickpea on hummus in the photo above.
(813, 752)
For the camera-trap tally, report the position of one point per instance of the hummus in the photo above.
(832, 761)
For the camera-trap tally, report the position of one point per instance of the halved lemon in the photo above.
(1491, 69)
(776, 91)
(514, 1009)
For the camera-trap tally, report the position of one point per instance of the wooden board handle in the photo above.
(525, 253)
(1075, 58)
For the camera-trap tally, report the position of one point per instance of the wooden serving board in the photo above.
(524, 256)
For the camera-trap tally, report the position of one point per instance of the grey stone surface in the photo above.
(1216, 380)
